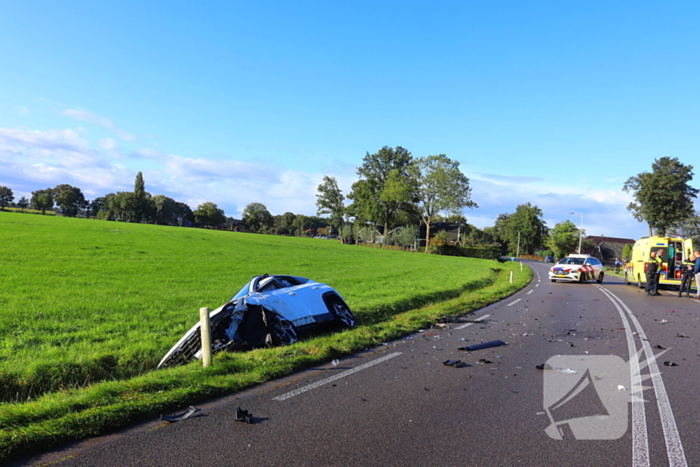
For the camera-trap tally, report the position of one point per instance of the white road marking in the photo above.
(469, 324)
(309, 387)
(674, 446)
(530, 291)
(513, 303)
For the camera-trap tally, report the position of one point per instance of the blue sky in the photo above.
(552, 103)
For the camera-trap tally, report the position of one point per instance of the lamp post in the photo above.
(580, 230)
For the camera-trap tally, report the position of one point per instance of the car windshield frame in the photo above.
(572, 261)
(243, 292)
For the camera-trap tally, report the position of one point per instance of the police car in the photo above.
(577, 268)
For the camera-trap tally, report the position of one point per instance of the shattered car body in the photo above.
(268, 310)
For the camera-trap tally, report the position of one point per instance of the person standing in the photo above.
(696, 271)
(651, 274)
(687, 275)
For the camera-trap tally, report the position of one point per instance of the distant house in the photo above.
(234, 224)
(609, 248)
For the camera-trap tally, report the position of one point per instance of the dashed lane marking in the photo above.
(469, 324)
(317, 384)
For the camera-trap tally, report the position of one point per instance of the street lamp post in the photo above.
(580, 230)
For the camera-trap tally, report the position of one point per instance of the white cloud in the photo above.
(603, 208)
(99, 121)
(108, 144)
(22, 110)
(33, 159)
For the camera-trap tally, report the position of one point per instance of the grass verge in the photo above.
(58, 418)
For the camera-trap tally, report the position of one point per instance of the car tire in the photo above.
(600, 278)
(342, 315)
(627, 279)
(580, 278)
(281, 331)
(553, 280)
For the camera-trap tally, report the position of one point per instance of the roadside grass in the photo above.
(88, 308)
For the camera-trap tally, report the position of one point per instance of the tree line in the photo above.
(399, 198)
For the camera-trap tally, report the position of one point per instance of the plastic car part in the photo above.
(243, 416)
(183, 416)
(483, 345)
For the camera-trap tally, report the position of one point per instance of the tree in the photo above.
(143, 204)
(527, 221)
(440, 187)
(96, 205)
(124, 205)
(209, 214)
(69, 198)
(164, 208)
(6, 196)
(284, 224)
(183, 211)
(563, 238)
(23, 203)
(374, 199)
(329, 200)
(663, 197)
(257, 217)
(689, 228)
(42, 200)
(406, 235)
(626, 252)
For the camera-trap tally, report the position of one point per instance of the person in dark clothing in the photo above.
(687, 276)
(696, 271)
(652, 274)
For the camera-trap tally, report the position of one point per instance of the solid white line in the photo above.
(513, 303)
(469, 324)
(640, 441)
(309, 387)
(674, 446)
(530, 291)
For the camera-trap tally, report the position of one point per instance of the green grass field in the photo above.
(88, 308)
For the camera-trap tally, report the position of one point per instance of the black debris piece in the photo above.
(483, 345)
(455, 363)
(659, 347)
(243, 416)
(483, 361)
(543, 366)
(667, 363)
(682, 335)
(185, 415)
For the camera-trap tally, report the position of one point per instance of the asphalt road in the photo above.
(400, 405)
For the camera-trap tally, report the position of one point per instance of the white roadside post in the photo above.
(511, 277)
(206, 336)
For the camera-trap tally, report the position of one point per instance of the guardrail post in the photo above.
(511, 277)
(206, 336)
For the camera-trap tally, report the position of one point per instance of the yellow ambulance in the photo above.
(674, 251)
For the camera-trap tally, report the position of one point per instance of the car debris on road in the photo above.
(483, 345)
(183, 416)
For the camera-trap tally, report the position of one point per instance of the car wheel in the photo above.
(553, 280)
(600, 278)
(341, 312)
(281, 331)
(627, 279)
(580, 278)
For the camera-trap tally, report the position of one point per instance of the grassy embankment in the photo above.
(88, 308)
